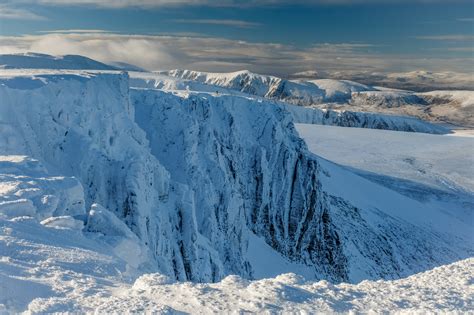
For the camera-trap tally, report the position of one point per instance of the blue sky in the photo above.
(384, 35)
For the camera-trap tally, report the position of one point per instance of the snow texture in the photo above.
(45, 270)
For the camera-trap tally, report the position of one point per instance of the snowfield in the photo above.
(443, 162)
(50, 269)
(147, 192)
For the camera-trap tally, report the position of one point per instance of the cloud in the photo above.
(470, 20)
(72, 31)
(234, 23)
(226, 3)
(452, 38)
(461, 49)
(162, 52)
(7, 12)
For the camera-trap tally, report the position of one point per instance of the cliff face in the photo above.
(82, 125)
(198, 177)
(250, 173)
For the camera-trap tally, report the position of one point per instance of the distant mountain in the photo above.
(455, 107)
(419, 80)
(296, 92)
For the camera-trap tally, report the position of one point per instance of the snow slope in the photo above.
(45, 269)
(43, 61)
(440, 161)
(197, 177)
(436, 170)
(203, 139)
(195, 185)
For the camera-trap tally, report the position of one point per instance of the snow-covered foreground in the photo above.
(52, 269)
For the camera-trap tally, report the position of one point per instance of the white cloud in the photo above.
(7, 12)
(453, 38)
(235, 23)
(161, 52)
(225, 3)
(72, 31)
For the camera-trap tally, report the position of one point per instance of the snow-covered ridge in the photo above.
(418, 80)
(344, 118)
(339, 89)
(294, 92)
(437, 106)
(43, 61)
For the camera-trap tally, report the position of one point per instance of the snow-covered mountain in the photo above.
(337, 94)
(455, 107)
(418, 80)
(159, 174)
(294, 92)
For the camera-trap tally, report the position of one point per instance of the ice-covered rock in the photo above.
(196, 177)
(82, 124)
(64, 222)
(117, 234)
(345, 118)
(26, 189)
(252, 175)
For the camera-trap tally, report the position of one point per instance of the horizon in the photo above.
(270, 37)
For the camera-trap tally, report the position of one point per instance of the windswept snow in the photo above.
(45, 270)
(442, 162)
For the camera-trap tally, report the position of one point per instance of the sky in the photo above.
(267, 36)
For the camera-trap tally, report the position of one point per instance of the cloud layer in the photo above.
(11, 13)
(234, 23)
(162, 52)
(223, 3)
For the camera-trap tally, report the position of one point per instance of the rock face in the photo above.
(249, 172)
(196, 177)
(343, 118)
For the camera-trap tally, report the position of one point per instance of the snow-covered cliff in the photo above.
(214, 185)
(82, 125)
(252, 175)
